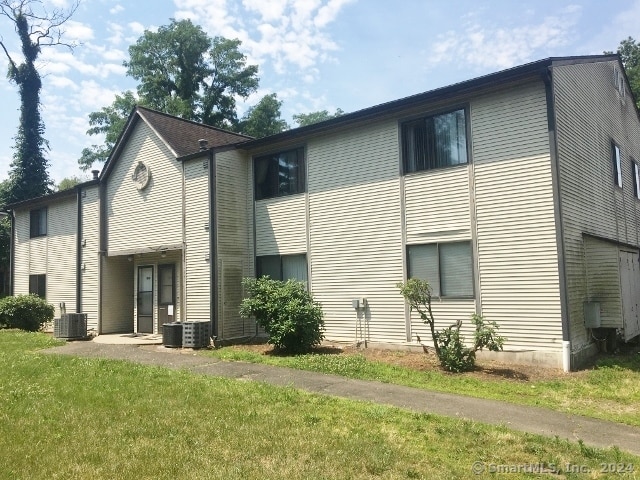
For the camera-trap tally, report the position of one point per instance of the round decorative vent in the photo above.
(141, 176)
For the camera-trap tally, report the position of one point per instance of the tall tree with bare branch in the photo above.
(36, 27)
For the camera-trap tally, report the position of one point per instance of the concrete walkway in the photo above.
(541, 421)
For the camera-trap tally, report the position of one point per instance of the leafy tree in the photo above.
(629, 51)
(183, 72)
(264, 118)
(304, 119)
(28, 175)
(69, 182)
(110, 122)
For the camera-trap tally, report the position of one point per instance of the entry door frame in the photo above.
(145, 315)
(163, 302)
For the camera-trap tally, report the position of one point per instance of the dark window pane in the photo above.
(279, 174)
(435, 142)
(270, 266)
(38, 222)
(38, 285)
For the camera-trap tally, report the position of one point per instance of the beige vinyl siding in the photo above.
(590, 113)
(197, 261)
(437, 209)
(355, 230)
(514, 205)
(234, 241)
(90, 254)
(53, 255)
(117, 295)
(281, 225)
(602, 273)
(61, 254)
(150, 218)
(437, 205)
(22, 253)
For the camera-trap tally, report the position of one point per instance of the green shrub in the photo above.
(26, 312)
(287, 312)
(448, 343)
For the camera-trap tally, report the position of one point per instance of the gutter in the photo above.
(79, 252)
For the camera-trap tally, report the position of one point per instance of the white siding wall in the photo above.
(90, 254)
(590, 114)
(602, 275)
(61, 241)
(281, 225)
(117, 295)
(234, 241)
(23, 246)
(197, 261)
(53, 255)
(148, 218)
(514, 206)
(355, 230)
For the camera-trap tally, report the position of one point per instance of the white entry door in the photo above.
(630, 289)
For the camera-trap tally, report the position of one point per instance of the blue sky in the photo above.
(315, 54)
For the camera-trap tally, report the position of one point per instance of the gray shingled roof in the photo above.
(183, 135)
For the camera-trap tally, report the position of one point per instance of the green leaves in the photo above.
(448, 342)
(26, 312)
(287, 312)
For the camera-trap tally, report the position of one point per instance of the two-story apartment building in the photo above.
(516, 194)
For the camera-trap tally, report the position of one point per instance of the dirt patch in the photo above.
(485, 369)
(420, 361)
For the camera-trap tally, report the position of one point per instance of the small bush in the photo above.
(26, 312)
(448, 343)
(287, 312)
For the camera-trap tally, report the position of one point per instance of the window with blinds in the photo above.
(434, 142)
(283, 267)
(448, 267)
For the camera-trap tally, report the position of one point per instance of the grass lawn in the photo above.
(76, 418)
(610, 390)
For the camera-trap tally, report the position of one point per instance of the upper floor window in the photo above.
(279, 174)
(636, 179)
(448, 267)
(617, 164)
(435, 141)
(38, 222)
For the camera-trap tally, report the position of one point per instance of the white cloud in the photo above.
(287, 33)
(117, 9)
(136, 28)
(76, 32)
(485, 46)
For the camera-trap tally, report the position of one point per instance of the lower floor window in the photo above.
(446, 266)
(283, 267)
(38, 285)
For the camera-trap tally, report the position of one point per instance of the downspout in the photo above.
(555, 178)
(79, 252)
(102, 225)
(213, 252)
